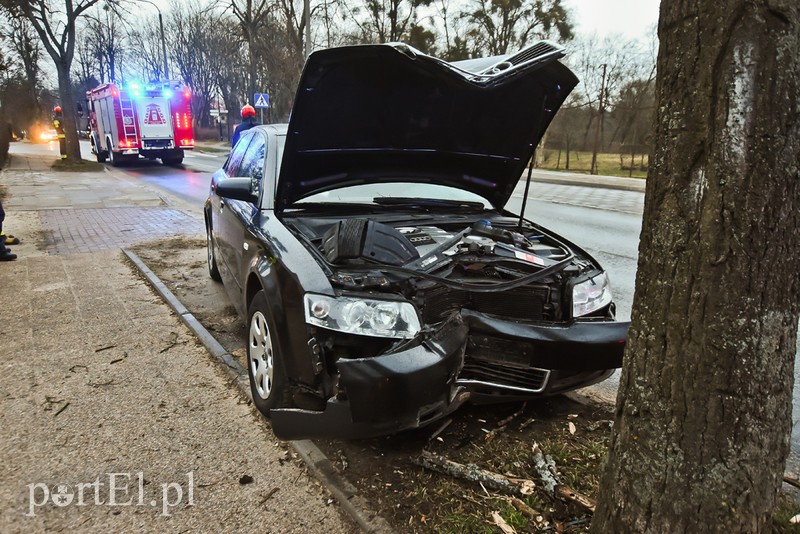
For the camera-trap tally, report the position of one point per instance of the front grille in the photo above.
(501, 363)
(528, 303)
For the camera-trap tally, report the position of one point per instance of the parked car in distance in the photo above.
(48, 135)
(368, 247)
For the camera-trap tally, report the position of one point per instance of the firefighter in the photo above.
(248, 121)
(58, 124)
(5, 253)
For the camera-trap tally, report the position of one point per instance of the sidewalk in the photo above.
(114, 418)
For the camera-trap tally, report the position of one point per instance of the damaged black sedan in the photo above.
(368, 247)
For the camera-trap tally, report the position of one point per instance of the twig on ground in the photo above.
(473, 473)
(269, 495)
(61, 410)
(568, 494)
(440, 429)
(498, 521)
(539, 519)
(502, 424)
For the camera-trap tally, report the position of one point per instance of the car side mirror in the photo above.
(236, 189)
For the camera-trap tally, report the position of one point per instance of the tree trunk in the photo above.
(68, 110)
(703, 413)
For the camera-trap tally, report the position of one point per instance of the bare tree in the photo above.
(105, 38)
(190, 32)
(506, 26)
(145, 38)
(384, 21)
(254, 18)
(231, 80)
(54, 22)
(26, 45)
(703, 415)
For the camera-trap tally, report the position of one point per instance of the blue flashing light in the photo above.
(135, 89)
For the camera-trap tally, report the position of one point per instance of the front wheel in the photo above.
(264, 363)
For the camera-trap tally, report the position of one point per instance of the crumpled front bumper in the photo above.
(387, 393)
(411, 388)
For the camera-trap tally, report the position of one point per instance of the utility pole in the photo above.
(163, 40)
(600, 110)
(307, 16)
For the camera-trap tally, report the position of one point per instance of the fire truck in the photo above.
(151, 120)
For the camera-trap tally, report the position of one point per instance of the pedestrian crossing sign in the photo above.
(261, 100)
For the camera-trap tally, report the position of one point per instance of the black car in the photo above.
(367, 245)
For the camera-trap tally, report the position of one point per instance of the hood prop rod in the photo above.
(530, 166)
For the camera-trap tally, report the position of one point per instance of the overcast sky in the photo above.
(631, 18)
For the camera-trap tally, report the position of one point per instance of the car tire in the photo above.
(264, 362)
(213, 271)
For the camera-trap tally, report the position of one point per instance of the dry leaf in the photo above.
(527, 487)
(572, 428)
(795, 520)
(500, 522)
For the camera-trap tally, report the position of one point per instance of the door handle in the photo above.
(221, 204)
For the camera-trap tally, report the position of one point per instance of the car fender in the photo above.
(291, 333)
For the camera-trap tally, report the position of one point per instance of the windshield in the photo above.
(372, 193)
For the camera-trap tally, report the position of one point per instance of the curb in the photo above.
(598, 184)
(316, 461)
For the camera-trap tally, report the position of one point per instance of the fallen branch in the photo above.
(546, 469)
(538, 518)
(473, 473)
(568, 494)
(791, 481)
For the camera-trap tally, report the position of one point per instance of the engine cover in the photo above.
(353, 239)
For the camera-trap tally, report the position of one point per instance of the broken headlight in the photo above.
(591, 295)
(366, 317)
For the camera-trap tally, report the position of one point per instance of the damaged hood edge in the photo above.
(387, 113)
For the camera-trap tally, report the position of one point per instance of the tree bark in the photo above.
(703, 413)
(65, 93)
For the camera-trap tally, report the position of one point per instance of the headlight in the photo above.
(590, 295)
(366, 317)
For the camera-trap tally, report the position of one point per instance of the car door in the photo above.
(224, 224)
(246, 213)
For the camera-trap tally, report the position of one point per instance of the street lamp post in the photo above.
(307, 15)
(163, 39)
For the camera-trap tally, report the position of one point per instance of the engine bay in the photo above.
(473, 254)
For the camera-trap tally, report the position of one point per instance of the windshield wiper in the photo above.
(428, 202)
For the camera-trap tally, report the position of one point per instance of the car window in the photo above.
(234, 160)
(252, 164)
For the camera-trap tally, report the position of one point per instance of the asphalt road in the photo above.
(605, 222)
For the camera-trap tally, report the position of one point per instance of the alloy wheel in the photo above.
(262, 367)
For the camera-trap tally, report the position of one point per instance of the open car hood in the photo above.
(388, 113)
